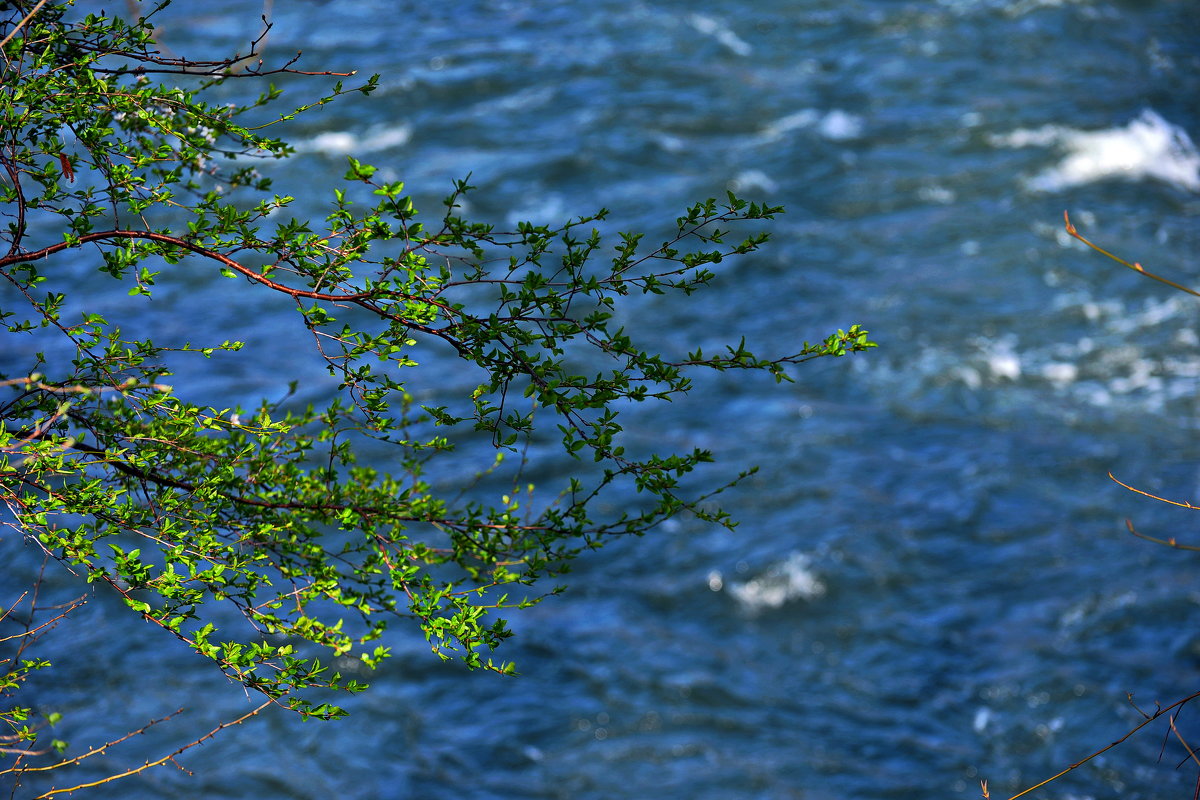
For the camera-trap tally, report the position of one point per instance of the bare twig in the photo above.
(50, 623)
(1180, 503)
(135, 770)
(1182, 741)
(1170, 542)
(159, 761)
(1149, 718)
(1135, 266)
(1166, 542)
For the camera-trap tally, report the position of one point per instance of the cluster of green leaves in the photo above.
(257, 537)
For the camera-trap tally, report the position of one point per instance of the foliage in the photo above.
(263, 538)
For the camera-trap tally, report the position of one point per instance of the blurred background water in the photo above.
(932, 582)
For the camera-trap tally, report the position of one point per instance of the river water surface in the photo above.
(932, 583)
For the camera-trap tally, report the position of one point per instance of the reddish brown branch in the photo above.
(1171, 542)
(1148, 719)
(1135, 266)
(183, 244)
(1180, 503)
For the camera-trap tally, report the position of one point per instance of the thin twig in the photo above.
(74, 604)
(21, 24)
(157, 762)
(1166, 542)
(1103, 750)
(1136, 267)
(1181, 504)
(1182, 741)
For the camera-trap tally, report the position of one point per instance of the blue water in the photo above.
(932, 583)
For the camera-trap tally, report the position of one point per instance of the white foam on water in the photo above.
(1005, 365)
(1022, 7)
(789, 580)
(669, 143)
(550, 206)
(988, 360)
(1060, 372)
(376, 139)
(836, 125)
(839, 126)
(523, 100)
(805, 118)
(752, 180)
(722, 33)
(1010, 8)
(936, 193)
(1094, 606)
(1139, 356)
(1148, 147)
